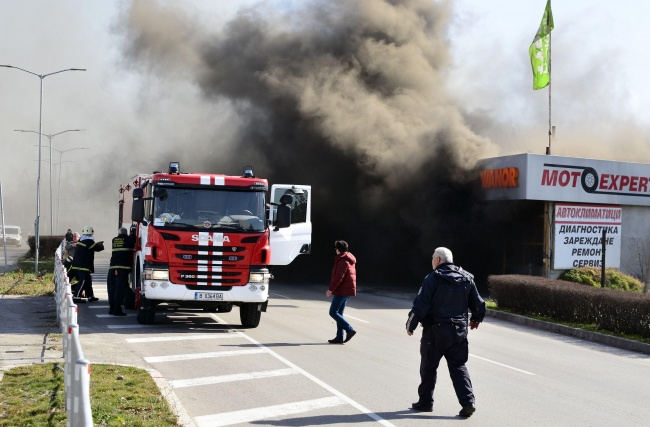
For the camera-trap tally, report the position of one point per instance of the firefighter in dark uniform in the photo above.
(119, 270)
(441, 306)
(83, 265)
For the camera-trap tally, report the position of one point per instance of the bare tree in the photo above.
(646, 288)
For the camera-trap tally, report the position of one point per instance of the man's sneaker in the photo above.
(349, 336)
(93, 299)
(336, 341)
(78, 300)
(119, 313)
(467, 411)
(422, 407)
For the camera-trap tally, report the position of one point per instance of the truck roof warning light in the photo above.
(174, 168)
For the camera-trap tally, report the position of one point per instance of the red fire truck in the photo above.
(207, 240)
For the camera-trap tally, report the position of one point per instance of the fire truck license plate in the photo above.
(209, 296)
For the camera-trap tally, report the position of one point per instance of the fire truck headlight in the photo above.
(151, 274)
(259, 278)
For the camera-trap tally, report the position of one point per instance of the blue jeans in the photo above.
(336, 312)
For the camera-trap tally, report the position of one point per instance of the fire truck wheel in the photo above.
(129, 299)
(147, 311)
(250, 315)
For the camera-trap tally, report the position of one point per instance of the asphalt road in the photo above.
(13, 253)
(284, 373)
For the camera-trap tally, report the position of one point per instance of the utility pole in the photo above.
(602, 261)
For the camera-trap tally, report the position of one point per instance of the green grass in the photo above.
(34, 395)
(20, 283)
(120, 396)
(44, 265)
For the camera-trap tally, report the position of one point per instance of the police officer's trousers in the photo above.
(448, 340)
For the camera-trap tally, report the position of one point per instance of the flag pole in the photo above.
(550, 81)
(548, 205)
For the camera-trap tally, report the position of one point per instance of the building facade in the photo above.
(562, 212)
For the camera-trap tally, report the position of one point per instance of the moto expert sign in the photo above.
(565, 179)
(579, 235)
(589, 181)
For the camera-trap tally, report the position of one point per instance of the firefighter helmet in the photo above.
(88, 230)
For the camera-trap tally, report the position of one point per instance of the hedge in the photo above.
(47, 248)
(610, 310)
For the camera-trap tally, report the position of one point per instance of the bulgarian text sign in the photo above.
(579, 232)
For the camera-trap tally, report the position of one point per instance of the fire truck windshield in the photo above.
(210, 208)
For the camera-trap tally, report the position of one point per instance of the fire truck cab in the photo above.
(207, 240)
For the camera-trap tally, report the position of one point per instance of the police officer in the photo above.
(83, 265)
(441, 306)
(118, 274)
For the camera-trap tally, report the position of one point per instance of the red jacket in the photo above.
(344, 275)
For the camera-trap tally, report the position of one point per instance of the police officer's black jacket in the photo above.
(122, 255)
(446, 295)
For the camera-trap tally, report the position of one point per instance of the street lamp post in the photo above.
(58, 193)
(38, 179)
(50, 138)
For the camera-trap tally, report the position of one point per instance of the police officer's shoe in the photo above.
(467, 411)
(93, 299)
(78, 300)
(422, 407)
(119, 313)
(336, 341)
(349, 336)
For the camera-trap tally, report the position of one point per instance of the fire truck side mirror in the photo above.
(283, 217)
(137, 210)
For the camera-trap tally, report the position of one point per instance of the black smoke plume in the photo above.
(349, 97)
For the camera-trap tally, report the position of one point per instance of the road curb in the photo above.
(609, 340)
(168, 393)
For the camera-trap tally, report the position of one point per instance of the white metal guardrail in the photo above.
(76, 368)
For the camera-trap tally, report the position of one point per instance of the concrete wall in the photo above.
(635, 241)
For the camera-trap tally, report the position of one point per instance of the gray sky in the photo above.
(149, 94)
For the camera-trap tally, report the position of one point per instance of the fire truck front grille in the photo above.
(208, 288)
(210, 273)
(197, 257)
(189, 277)
(210, 248)
(211, 280)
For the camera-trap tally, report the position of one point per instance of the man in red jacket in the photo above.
(343, 284)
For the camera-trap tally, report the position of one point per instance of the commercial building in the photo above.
(556, 213)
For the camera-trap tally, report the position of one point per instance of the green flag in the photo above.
(539, 50)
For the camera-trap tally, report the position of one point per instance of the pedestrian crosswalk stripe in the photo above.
(231, 378)
(182, 338)
(256, 414)
(193, 356)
